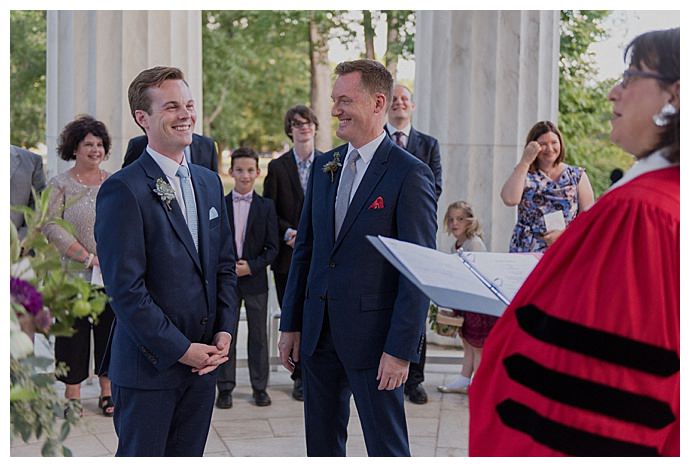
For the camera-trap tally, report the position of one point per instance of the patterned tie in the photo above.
(189, 203)
(399, 138)
(347, 179)
(303, 174)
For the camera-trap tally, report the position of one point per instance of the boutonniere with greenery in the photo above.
(165, 192)
(333, 166)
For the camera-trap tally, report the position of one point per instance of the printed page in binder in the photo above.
(451, 284)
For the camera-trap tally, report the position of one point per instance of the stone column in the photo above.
(94, 55)
(482, 79)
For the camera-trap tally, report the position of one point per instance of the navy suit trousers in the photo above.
(327, 390)
(171, 423)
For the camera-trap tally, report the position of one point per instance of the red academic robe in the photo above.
(585, 361)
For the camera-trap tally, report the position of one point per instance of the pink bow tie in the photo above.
(237, 198)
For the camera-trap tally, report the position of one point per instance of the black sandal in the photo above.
(107, 405)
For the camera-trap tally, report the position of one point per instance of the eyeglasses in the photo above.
(630, 74)
(296, 124)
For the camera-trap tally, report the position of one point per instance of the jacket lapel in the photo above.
(174, 215)
(412, 141)
(332, 190)
(252, 218)
(293, 175)
(377, 167)
(194, 150)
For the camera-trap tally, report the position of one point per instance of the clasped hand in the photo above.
(205, 358)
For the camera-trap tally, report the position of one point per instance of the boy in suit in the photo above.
(254, 227)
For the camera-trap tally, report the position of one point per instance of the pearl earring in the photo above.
(662, 118)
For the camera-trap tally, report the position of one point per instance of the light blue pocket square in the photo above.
(212, 213)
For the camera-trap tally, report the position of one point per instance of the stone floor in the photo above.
(438, 428)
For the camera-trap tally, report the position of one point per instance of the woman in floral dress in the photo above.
(542, 183)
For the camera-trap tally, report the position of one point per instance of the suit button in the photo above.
(204, 321)
(322, 297)
(331, 265)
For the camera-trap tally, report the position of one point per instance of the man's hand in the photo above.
(198, 355)
(242, 268)
(222, 342)
(288, 347)
(291, 241)
(392, 372)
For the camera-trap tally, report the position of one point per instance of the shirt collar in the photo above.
(309, 159)
(367, 151)
(167, 165)
(405, 130)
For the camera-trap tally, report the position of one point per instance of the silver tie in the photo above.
(342, 201)
(189, 203)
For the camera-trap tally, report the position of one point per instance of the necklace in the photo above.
(101, 177)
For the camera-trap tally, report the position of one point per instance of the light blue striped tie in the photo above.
(189, 203)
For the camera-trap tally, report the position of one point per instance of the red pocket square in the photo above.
(377, 204)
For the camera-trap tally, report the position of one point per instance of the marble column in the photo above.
(482, 79)
(94, 55)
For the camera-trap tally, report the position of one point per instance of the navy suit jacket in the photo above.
(426, 149)
(282, 185)
(165, 295)
(260, 245)
(202, 151)
(371, 308)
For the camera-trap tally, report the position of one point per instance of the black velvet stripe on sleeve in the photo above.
(603, 345)
(565, 439)
(588, 395)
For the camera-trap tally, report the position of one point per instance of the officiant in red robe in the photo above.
(586, 359)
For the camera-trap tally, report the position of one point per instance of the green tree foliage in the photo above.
(256, 66)
(583, 104)
(27, 77)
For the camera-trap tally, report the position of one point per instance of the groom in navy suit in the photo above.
(167, 259)
(348, 316)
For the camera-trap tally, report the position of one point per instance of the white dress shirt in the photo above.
(366, 153)
(405, 132)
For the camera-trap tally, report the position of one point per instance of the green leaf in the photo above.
(49, 448)
(64, 431)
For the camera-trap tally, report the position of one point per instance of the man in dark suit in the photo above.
(202, 151)
(426, 149)
(26, 172)
(285, 184)
(166, 254)
(348, 316)
(401, 131)
(254, 226)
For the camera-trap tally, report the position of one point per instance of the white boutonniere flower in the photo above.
(165, 192)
